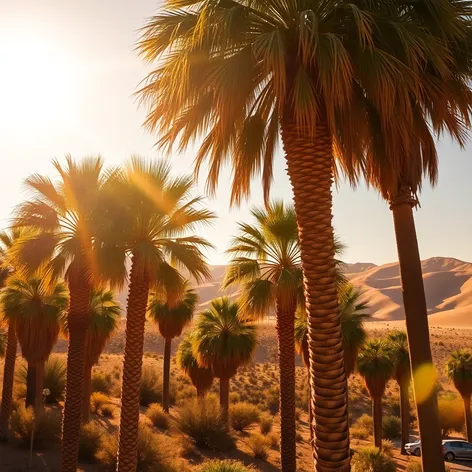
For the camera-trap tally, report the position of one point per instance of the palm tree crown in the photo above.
(398, 345)
(459, 370)
(223, 342)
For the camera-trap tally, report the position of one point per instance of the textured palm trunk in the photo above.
(166, 377)
(77, 320)
(377, 420)
(468, 419)
(405, 414)
(286, 338)
(8, 378)
(224, 399)
(87, 393)
(418, 332)
(132, 370)
(310, 168)
(30, 385)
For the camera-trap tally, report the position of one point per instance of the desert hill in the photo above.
(448, 286)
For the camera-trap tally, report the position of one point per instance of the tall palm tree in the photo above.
(201, 377)
(105, 311)
(398, 346)
(459, 369)
(266, 266)
(376, 367)
(171, 320)
(36, 308)
(147, 215)
(223, 342)
(63, 215)
(240, 72)
(7, 239)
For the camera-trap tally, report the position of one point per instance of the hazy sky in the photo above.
(68, 73)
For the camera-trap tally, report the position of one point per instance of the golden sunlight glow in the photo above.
(35, 81)
(425, 381)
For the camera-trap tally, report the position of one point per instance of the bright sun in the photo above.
(34, 82)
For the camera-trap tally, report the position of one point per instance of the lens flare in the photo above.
(424, 381)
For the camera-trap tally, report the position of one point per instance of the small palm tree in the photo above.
(104, 314)
(223, 342)
(171, 320)
(459, 369)
(201, 377)
(63, 216)
(147, 215)
(398, 346)
(376, 367)
(36, 308)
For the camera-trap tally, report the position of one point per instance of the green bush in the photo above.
(91, 435)
(155, 452)
(372, 459)
(243, 415)
(366, 422)
(159, 418)
(102, 382)
(392, 427)
(259, 446)
(97, 400)
(266, 422)
(47, 428)
(203, 422)
(225, 466)
(150, 390)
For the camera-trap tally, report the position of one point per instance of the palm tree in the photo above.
(240, 72)
(171, 320)
(266, 265)
(376, 367)
(63, 215)
(398, 346)
(201, 377)
(459, 369)
(223, 342)
(35, 307)
(104, 314)
(146, 214)
(7, 239)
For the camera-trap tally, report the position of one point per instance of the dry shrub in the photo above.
(388, 447)
(266, 422)
(156, 452)
(159, 418)
(359, 433)
(259, 446)
(451, 414)
(225, 466)
(47, 428)
(102, 382)
(414, 467)
(365, 421)
(150, 390)
(108, 410)
(202, 421)
(372, 459)
(274, 441)
(91, 435)
(97, 400)
(243, 415)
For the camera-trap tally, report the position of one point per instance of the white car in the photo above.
(414, 448)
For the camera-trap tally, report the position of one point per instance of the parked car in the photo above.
(457, 449)
(414, 448)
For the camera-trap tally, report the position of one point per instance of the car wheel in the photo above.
(449, 456)
(417, 452)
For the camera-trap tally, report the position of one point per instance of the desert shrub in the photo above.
(360, 433)
(159, 418)
(451, 414)
(414, 467)
(102, 382)
(243, 415)
(272, 400)
(366, 422)
(234, 397)
(155, 453)
(90, 440)
(108, 410)
(388, 447)
(97, 400)
(203, 422)
(372, 459)
(55, 371)
(392, 427)
(150, 390)
(266, 422)
(47, 428)
(274, 441)
(225, 466)
(259, 446)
